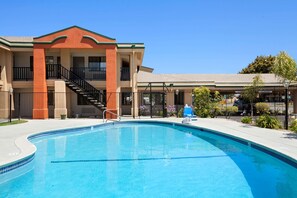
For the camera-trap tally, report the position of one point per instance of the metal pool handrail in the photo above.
(104, 112)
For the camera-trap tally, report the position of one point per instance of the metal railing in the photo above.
(104, 112)
(60, 72)
(22, 73)
(90, 74)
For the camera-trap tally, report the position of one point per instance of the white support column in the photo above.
(60, 99)
(133, 66)
(188, 97)
(294, 96)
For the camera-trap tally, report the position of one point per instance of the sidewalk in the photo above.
(14, 146)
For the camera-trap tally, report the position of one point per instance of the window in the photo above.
(94, 63)
(49, 60)
(126, 98)
(103, 64)
(97, 63)
(157, 98)
(31, 63)
(179, 98)
(81, 100)
(58, 60)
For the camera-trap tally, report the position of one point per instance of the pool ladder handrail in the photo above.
(109, 111)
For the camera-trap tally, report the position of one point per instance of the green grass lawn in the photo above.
(13, 122)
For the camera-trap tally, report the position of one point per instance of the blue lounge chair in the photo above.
(188, 113)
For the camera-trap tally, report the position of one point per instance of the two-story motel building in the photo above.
(78, 72)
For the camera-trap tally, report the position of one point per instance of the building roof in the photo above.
(28, 41)
(18, 38)
(233, 80)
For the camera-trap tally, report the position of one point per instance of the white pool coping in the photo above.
(14, 145)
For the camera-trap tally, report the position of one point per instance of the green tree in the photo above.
(285, 68)
(202, 101)
(251, 92)
(206, 104)
(262, 64)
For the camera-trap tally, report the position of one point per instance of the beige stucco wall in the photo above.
(26, 102)
(6, 82)
(22, 59)
(170, 98)
(81, 110)
(188, 97)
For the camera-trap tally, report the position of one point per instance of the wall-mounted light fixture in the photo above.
(176, 92)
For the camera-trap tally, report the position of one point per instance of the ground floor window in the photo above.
(126, 98)
(179, 98)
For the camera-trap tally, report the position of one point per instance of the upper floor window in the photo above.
(31, 63)
(49, 60)
(97, 63)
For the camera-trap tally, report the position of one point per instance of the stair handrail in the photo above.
(109, 111)
(65, 73)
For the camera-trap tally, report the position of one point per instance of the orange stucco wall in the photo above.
(111, 80)
(74, 40)
(40, 109)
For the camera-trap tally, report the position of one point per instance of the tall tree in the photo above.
(262, 64)
(251, 92)
(285, 67)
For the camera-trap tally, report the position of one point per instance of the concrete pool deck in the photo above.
(14, 146)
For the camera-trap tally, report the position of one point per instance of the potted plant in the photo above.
(63, 116)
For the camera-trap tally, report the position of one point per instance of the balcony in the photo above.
(89, 74)
(22, 74)
(125, 74)
(52, 72)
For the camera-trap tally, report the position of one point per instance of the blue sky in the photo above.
(190, 36)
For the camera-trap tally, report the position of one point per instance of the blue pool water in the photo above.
(148, 160)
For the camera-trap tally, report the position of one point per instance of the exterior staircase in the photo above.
(77, 84)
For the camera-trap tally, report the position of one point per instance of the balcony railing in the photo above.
(125, 74)
(22, 73)
(89, 74)
(53, 72)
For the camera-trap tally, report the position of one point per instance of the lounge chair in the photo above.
(188, 113)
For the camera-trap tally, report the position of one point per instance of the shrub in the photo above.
(266, 121)
(293, 125)
(171, 111)
(262, 108)
(215, 110)
(206, 103)
(246, 120)
(180, 113)
(204, 113)
(143, 110)
(230, 110)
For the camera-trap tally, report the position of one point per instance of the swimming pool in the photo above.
(148, 159)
